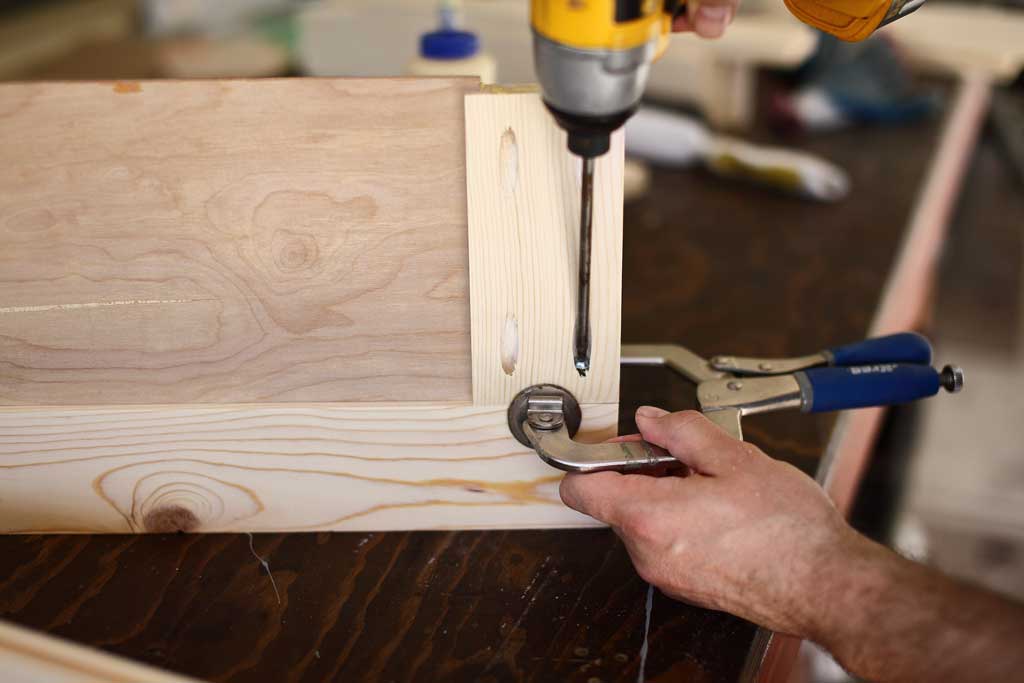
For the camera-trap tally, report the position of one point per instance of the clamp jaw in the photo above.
(877, 372)
(545, 417)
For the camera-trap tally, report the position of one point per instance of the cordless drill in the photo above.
(593, 57)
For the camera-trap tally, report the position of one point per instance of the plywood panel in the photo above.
(233, 241)
(278, 467)
(524, 207)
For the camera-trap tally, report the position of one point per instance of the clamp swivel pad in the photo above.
(551, 407)
(545, 417)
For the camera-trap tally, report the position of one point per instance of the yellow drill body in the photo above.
(593, 24)
(611, 25)
(592, 59)
(850, 20)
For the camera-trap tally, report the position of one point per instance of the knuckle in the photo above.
(686, 417)
(682, 424)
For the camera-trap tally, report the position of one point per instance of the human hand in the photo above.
(706, 18)
(742, 533)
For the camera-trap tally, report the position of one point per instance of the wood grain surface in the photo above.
(277, 467)
(719, 267)
(188, 243)
(524, 231)
(233, 241)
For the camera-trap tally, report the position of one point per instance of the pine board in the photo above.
(276, 467)
(524, 225)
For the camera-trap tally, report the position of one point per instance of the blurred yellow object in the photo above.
(601, 24)
(627, 24)
(851, 20)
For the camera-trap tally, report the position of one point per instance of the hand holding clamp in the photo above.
(877, 372)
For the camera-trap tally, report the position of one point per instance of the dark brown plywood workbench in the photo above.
(716, 266)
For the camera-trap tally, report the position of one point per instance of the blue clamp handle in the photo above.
(906, 347)
(827, 389)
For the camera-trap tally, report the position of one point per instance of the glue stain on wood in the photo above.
(125, 87)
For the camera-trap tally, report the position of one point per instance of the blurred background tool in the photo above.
(851, 19)
(672, 139)
(592, 62)
(451, 50)
(846, 84)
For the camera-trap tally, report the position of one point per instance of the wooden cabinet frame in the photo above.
(290, 304)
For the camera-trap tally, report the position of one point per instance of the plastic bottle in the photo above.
(450, 51)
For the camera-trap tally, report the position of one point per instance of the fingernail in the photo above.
(650, 412)
(712, 19)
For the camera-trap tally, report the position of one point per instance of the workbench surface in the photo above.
(716, 266)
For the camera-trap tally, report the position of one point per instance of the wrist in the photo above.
(856, 585)
(804, 598)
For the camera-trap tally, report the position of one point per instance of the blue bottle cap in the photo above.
(448, 44)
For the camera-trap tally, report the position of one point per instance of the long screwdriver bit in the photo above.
(581, 334)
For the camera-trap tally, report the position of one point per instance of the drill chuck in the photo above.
(591, 92)
(589, 136)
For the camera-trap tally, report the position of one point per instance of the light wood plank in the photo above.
(905, 299)
(276, 467)
(28, 657)
(523, 194)
(904, 306)
(233, 241)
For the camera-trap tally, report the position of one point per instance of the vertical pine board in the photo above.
(523, 200)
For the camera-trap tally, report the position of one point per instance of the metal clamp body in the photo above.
(545, 417)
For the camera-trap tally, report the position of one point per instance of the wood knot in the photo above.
(170, 520)
(295, 251)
